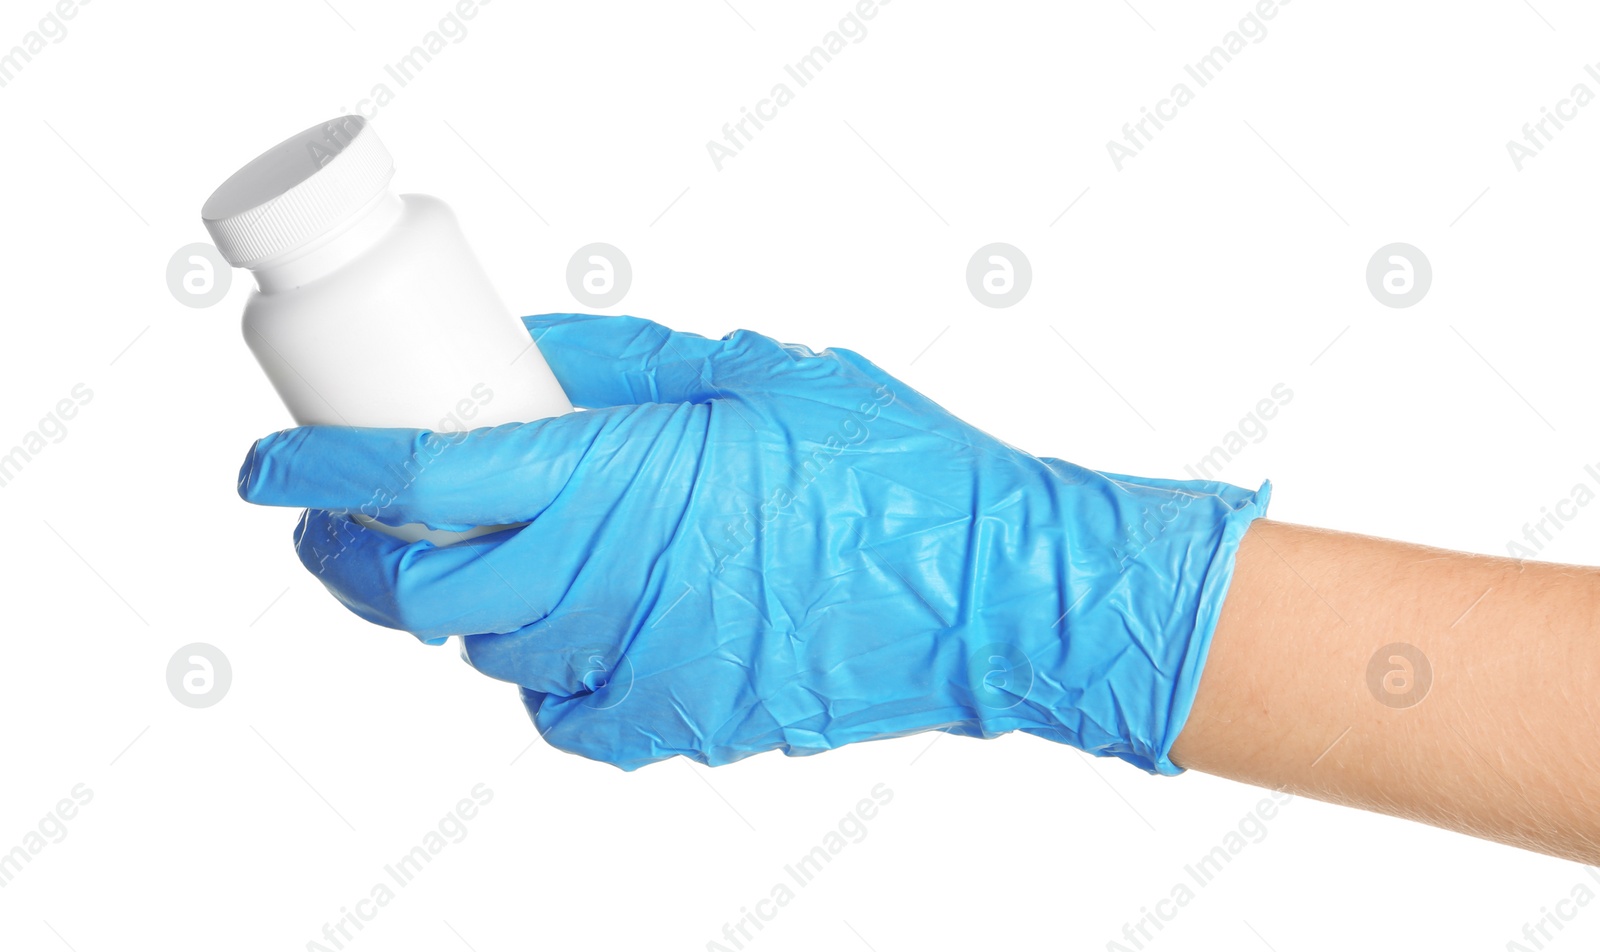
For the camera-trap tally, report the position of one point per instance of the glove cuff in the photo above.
(1211, 593)
(1146, 577)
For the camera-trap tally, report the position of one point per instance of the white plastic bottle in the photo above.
(370, 308)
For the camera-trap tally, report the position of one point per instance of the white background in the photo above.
(1228, 257)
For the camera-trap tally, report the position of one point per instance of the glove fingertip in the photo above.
(253, 471)
(247, 472)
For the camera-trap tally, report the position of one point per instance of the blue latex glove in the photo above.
(745, 545)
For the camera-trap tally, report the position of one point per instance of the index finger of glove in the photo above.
(492, 476)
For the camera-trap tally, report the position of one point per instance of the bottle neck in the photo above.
(334, 250)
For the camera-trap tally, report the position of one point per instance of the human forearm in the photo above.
(1500, 745)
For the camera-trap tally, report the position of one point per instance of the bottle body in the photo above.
(406, 331)
(392, 322)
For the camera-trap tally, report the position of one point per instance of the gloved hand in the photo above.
(744, 545)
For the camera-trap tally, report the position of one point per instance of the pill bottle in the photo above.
(370, 308)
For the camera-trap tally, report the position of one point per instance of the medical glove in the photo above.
(743, 545)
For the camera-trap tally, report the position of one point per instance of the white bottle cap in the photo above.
(298, 190)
